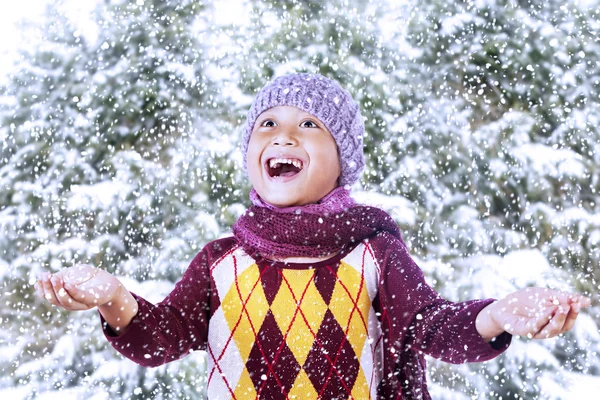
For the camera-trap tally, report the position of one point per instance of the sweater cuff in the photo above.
(478, 349)
(141, 341)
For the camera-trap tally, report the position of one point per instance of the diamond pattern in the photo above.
(270, 281)
(299, 309)
(350, 304)
(297, 333)
(360, 390)
(245, 387)
(271, 361)
(245, 308)
(325, 279)
(331, 365)
(303, 388)
(221, 379)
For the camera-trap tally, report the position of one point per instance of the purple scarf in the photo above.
(313, 230)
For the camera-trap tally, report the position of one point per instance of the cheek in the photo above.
(255, 148)
(253, 158)
(328, 159)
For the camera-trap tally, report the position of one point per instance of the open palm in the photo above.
(538, 313)
(78, 288)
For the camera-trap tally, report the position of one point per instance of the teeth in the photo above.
(275, 161)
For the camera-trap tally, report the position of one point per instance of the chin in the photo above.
(285, 200)
(282, 199)
(282, 203)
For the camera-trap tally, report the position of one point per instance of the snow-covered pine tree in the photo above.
(103, 161)
(502, 157)
(452, 122)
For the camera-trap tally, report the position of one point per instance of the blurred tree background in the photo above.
(120, 149)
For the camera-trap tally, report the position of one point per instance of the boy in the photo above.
(313, 296)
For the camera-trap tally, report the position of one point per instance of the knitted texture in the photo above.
(315, 230)
(354, 326)
(326, 100)
(305, 334)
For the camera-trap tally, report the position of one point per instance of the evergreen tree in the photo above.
(104, 162)
(501, 158)
(122, 151)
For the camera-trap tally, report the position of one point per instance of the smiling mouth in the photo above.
(284, 167)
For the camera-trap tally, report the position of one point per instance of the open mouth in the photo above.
(283, 167)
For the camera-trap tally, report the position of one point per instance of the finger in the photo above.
(571, 317)
(555, 325)
(38, 288)
(558, 298)
(53, 283)
(48, 291)
(538, 321)
(581, 300)
(59, 290)
(585, 301)
(63, 296)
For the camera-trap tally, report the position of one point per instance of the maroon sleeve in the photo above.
(177, 325)
(417, 318)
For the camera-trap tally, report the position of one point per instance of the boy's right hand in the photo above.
(78, 288)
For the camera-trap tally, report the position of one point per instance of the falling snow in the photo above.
(119, 135)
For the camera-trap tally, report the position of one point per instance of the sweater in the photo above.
(354, 326)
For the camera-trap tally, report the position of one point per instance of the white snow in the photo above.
(434, 140)
(98, 196)
(496, 276)
(401, 209)
(556, 163)
(577, 386)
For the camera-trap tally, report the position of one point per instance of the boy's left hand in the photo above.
(537, 313)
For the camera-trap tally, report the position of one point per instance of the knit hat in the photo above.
(326, 100)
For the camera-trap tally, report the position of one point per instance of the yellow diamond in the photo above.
(245, 387)
(298, 309)
(302, 388)
(246, 321)
(350, 288)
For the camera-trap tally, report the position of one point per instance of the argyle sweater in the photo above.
(354, 326)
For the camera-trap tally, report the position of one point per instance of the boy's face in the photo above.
(292, 158)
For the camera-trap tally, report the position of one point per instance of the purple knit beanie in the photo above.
(326, 100)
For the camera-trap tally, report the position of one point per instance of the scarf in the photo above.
(333, 224)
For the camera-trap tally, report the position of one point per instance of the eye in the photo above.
(268, 123)
(308, 124)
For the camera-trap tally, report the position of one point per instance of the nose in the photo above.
(284, 138)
